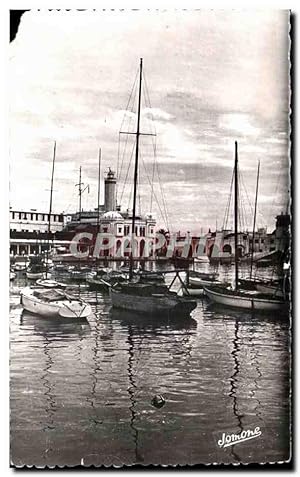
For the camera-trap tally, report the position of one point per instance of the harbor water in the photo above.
(81, 393)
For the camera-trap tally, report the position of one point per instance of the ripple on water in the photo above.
(85, 389)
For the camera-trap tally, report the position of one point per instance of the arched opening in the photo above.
(118, 248)
(142, 247)
(240, 251)
(210, 250)
(127, 249)
(227, 248)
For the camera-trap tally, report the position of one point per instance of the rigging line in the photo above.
(230, 199)
(138, 191)
(123, 156)
(125, 145)
(153, 138)
(128, 168)
(132, 94)
(163, 197)
(245, 190)
(242, 206)
(154, 150)
(227, 209)
(161, 212)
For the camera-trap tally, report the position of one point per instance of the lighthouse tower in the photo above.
(110, 191)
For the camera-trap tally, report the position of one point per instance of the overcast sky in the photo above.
(213, 77)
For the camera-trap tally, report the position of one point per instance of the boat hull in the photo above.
(155, 304)
(35, 276)
(195, 282)
(193, 291)
(270, 290)
(243, 302)
(72, 309)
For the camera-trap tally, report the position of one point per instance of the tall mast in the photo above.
(99, 172)
(79, 186)
(50, 209)
(136, 170)
(236, 216)
(254, 220)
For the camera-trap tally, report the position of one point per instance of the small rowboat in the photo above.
(53, 303)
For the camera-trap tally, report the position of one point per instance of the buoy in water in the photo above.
(158, 401)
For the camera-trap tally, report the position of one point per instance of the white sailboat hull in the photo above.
(244, 302)
(56, 309)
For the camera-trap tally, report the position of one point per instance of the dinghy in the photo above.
(53, 303)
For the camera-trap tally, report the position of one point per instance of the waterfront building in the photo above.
(29, 229)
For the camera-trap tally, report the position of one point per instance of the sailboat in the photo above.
(237, 297)
(142, 296)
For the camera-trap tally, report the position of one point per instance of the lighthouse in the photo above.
(110, 191)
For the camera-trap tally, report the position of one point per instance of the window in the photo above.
(13, 215)
(105, 229)
(25, 216)
(61, 218)
(272, 241)
(20, 215)
(256, 240)
(126, 230)
(262, 240)
(119, 230)
(136, 230)
(31, 216)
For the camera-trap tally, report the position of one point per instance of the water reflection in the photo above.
(131, 391)
(234, 379)
(89, 385)
(95, 369)
(49, 327)
(154, 323)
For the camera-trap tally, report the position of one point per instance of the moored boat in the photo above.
(49, 283)
(103, 279)
(53, 303)
(34, 274)
(200, 279)
(237, 297)
(149, 299)
(143, 296)
(246, 299)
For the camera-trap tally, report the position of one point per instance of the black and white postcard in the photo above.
(150, 237)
